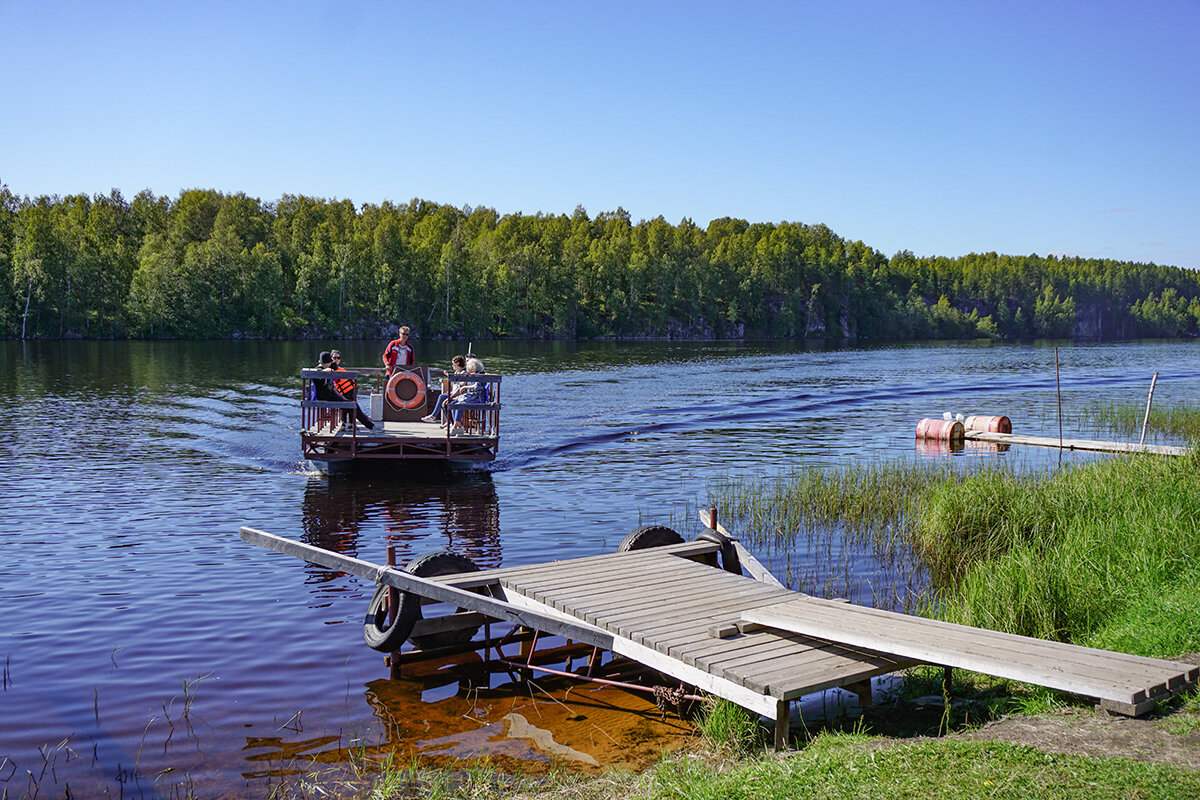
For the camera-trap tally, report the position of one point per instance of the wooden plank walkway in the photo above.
(1123, 683)
(1077, 444)
(672, 614)
(752, 641)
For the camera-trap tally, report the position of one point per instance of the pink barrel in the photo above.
(989, 424)
(945, 430)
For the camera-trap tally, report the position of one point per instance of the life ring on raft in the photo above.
(393, 396)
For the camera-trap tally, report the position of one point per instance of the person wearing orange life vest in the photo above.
(343, 385)
(327, 390)
(399, 352)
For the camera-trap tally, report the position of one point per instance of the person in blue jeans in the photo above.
(459, 363)
(471, 392)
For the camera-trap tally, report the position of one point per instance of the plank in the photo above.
(464, 580)
(679, 611)
(1032, 654)
(402, 580)
(980, 641)
(634, 595)
(1077, 444)
(933, 642)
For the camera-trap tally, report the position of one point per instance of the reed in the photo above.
(1062, 555)
(1067, 556)
(1180, 420)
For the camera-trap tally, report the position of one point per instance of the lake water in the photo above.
(147, 651)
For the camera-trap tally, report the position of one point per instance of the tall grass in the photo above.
(1181, 420)
(1063, 557)
(1059, 556)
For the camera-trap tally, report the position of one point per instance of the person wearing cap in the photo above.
(399, 352)
(328, 393)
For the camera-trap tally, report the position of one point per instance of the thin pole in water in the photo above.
(1058, 391)
(1149, 400)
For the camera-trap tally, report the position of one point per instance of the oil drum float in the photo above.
(942, 430)
(379, 635)
(988, 424)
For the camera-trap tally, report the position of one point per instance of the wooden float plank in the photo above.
(736, 650)
(828, 665)
(1109, 665)
(1058, 650)
(465, 580)
(382, 574)
(625, 594)
(679, 611)
(1077, 444)
(755, 701)
(623, 577)
(662, 633)
(631, 592)
(932, 643)
(650, 572)
(652, 591)
(1021, 651)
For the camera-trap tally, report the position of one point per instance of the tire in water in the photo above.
(380, 636)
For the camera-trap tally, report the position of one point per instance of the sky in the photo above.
(944, 128)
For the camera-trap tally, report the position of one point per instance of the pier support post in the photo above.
(783, 723)
(863, 690)
(947, 680)
(393, 607)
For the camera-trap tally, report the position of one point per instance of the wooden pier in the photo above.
(746, 638)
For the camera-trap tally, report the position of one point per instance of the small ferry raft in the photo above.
(332, 437)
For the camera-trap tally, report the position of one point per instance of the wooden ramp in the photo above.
(1123, 683)
(1076, 444)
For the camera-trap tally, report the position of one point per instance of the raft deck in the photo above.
(328, 440)
(748, 639)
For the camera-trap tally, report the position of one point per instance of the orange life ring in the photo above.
(418, 398)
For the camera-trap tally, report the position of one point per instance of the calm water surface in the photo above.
(147, 652)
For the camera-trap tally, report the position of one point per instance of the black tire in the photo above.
(729, 557)
(388, 639)
(649, 536)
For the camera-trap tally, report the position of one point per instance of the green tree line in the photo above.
(213, 265)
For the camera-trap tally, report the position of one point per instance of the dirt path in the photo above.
(1097, 735)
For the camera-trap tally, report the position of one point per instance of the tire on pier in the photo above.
(729, 557)
(387, 638)
(649, 536)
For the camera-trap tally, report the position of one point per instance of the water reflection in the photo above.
(417, 510)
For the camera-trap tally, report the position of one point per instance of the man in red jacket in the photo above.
(399, 352)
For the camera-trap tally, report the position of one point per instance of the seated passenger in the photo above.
(472, 392)
(449, 389)
(326, 391)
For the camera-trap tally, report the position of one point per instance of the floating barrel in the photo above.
(945, 430)
(989, 424)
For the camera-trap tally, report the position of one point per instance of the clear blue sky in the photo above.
(942, 128)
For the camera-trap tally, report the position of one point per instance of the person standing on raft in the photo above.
(399, 352)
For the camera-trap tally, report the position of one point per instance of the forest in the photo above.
(212, 265)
